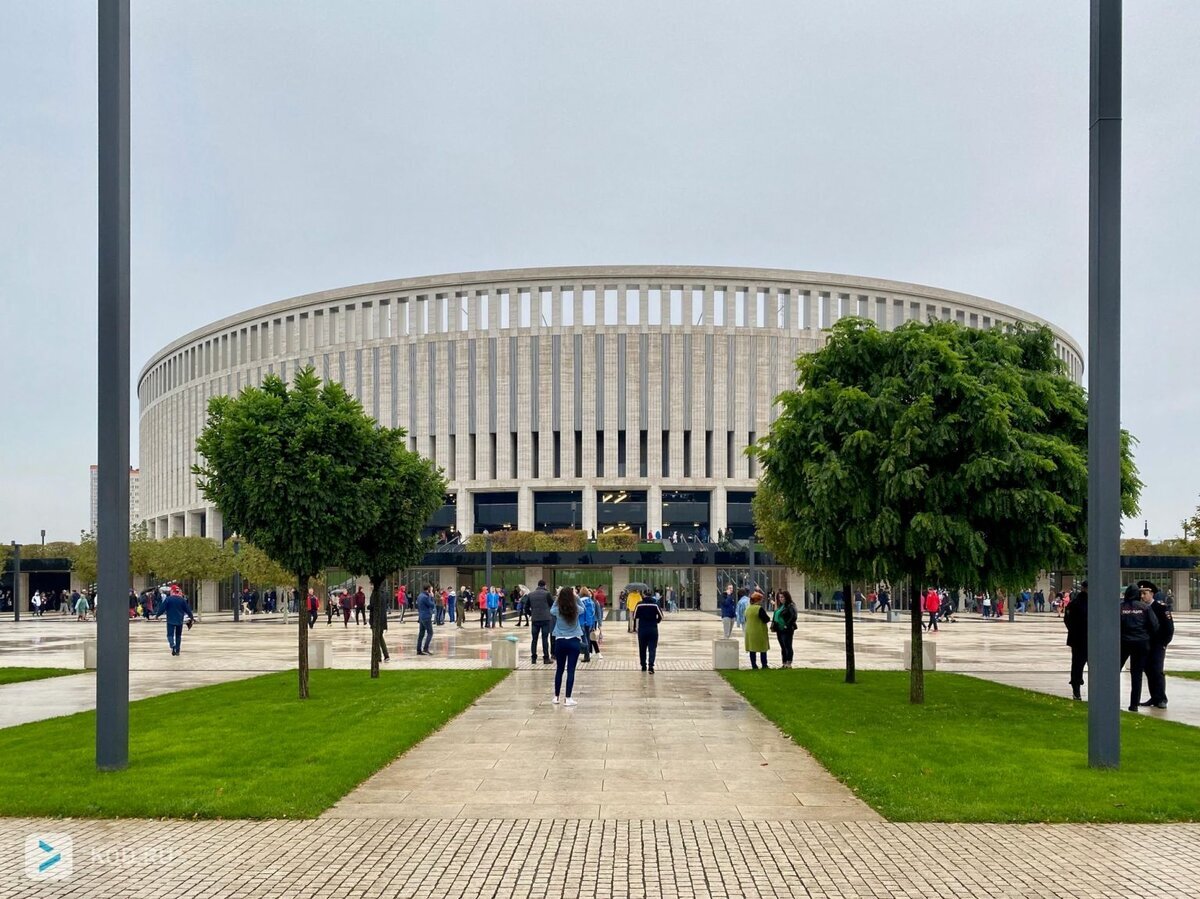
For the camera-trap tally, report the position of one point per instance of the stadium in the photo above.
(607, 399)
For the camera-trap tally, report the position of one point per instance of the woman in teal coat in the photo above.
(757, 638)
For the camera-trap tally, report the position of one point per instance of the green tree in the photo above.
(286, 469)
(259, 569)
(189, 558)
(411, 491)
(933, 453)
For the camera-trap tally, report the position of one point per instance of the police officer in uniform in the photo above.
(1138, 626)
(1075, 618)
(1156, 680)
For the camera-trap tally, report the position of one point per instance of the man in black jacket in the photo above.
(1156, 680)
(1075, 618)
(538, 602)
(1138, 626)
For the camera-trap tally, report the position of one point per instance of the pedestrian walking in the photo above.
(176, 608)
(931, 604)
(646, 616)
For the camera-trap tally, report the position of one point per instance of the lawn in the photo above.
(18, 675)
(1190, 675)
(247, 749)
(976, 751)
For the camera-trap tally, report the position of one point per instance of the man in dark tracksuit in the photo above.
(538, 602)
(1075, 618)
(1138, 626)
(1156, 680)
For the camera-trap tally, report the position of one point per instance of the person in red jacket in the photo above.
(931, 604)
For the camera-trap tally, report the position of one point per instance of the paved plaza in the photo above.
(666, 785)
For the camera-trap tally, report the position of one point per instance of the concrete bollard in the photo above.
(320, 654)
(726, 654)
(928, 655)
(89, 655)
(893, 615)
(504, 653)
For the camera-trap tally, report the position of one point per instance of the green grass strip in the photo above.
(246, 749)
(976, 750)
(1190, 675)
(20, 675)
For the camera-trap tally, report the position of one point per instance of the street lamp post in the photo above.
(237, 579)
(43, 536)
(16, 591)
(487, 542)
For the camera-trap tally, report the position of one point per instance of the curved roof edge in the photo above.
(558, 273)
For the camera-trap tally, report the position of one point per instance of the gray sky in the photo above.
(287, 147)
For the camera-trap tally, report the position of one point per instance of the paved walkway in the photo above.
(671, 745)
(674, 788)
(604, 859)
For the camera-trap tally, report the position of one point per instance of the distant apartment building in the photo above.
(135, 498)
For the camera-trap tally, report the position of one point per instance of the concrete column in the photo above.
(1181, 586)
(706, 578)
(191, 523)
(533, 574)
(589, 517)
(654, 508)
(525, 509)
(718, 510)
(464, 516)
(796, 584)
(207, 601)
(447, 575)
(214, 523)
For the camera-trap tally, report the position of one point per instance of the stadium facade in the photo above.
(600, 397)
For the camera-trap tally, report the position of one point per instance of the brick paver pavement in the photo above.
(605, 859)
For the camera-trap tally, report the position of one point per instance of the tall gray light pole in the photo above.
(16, 591)
(112, 480)
(237, 579)
(1104, 388)
(487, 542)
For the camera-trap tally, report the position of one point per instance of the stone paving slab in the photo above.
(631, 749)
(538, 858)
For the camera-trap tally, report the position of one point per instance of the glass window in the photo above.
(484, 302)
(677, 305)
(633, 305)
(654, 306)
(697, 305)
(739, 308)
(504, 308)
(719, 307)
(589, 305)
(547, 307)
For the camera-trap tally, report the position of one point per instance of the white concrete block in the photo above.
(928, 655)
(89, 655)
(320, 654)
(504, 653)
(726, 653)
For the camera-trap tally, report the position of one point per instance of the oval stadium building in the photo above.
(602, 397)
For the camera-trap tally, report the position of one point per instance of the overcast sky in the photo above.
(281, 148)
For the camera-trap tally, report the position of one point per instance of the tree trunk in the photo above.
(848, 605)
(916, 680)
(302, 630)
(378, 616)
